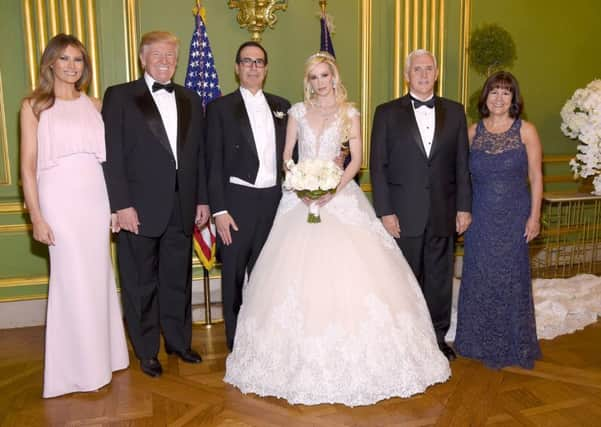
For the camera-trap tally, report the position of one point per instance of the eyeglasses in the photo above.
(248, 62)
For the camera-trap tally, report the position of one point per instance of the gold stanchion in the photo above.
(207, 294)
(570, 241)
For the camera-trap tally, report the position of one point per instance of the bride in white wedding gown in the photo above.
(332, 312)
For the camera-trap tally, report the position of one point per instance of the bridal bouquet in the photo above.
(581, 119)
(312, 178)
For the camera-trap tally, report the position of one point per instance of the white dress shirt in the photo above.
(167, 107)
(426, 121)
(263, 129)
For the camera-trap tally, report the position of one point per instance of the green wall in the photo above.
(553, 41)
(13, 69)
(557, 53)
(296, 36)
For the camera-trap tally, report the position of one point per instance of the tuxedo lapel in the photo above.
(411, 123)
(151, 114)
(242, 117)
(183, 117)
(440, 114)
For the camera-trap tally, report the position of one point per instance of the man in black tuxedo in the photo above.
(246, 132)
(155, 174)
(421, 182)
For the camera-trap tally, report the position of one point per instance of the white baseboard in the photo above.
(21, 314)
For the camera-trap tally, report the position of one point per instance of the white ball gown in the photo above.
(332, 312)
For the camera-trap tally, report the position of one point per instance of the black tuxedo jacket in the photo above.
(140, 166)
(231, 145)
(421, 190)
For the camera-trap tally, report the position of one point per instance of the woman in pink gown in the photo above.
(62, 148)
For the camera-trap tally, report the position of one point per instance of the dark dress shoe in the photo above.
(151, 367)
(447, 351)
(188, 355)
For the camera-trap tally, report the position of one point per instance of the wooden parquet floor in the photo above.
(563, 390)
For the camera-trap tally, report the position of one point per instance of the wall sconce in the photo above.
(256, 15)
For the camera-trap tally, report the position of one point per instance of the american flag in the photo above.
(202, 75)
(202, 78)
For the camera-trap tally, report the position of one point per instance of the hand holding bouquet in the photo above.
(312, 178)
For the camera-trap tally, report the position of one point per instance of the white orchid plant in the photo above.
(581, 119)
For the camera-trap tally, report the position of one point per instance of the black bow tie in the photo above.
(417, 103)
(158, 86)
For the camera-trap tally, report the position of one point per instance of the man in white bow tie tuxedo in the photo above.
(156, 179)
(421, 182)
(246, 131)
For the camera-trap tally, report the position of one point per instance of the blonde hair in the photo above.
(43, 96)
(339, 90)
(157, 37)
(323, 58)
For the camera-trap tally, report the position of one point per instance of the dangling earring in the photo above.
(312, 91)
(334, 84)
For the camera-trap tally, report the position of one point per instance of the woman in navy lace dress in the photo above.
(495, 321)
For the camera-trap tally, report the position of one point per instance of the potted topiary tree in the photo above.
(491, 48)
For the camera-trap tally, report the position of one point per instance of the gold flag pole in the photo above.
(199, 10)
(322, 5)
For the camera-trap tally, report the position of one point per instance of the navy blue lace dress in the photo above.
(495, 319)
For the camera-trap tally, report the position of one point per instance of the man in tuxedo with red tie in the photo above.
(155, 174)
(246, 131)
(421, 183)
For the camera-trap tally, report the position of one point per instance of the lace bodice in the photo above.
(496, 143)
(327, 144)
(349, 205)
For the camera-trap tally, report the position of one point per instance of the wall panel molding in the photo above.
(366, 76)
(12, 207)
(422, 24)
(23, 281)
(4, 158)
(41, 22)
(466, 22)
(15, 228)
(418, 27)
(131, 30)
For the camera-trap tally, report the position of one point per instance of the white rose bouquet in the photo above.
(312, 178)
(581, 119)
